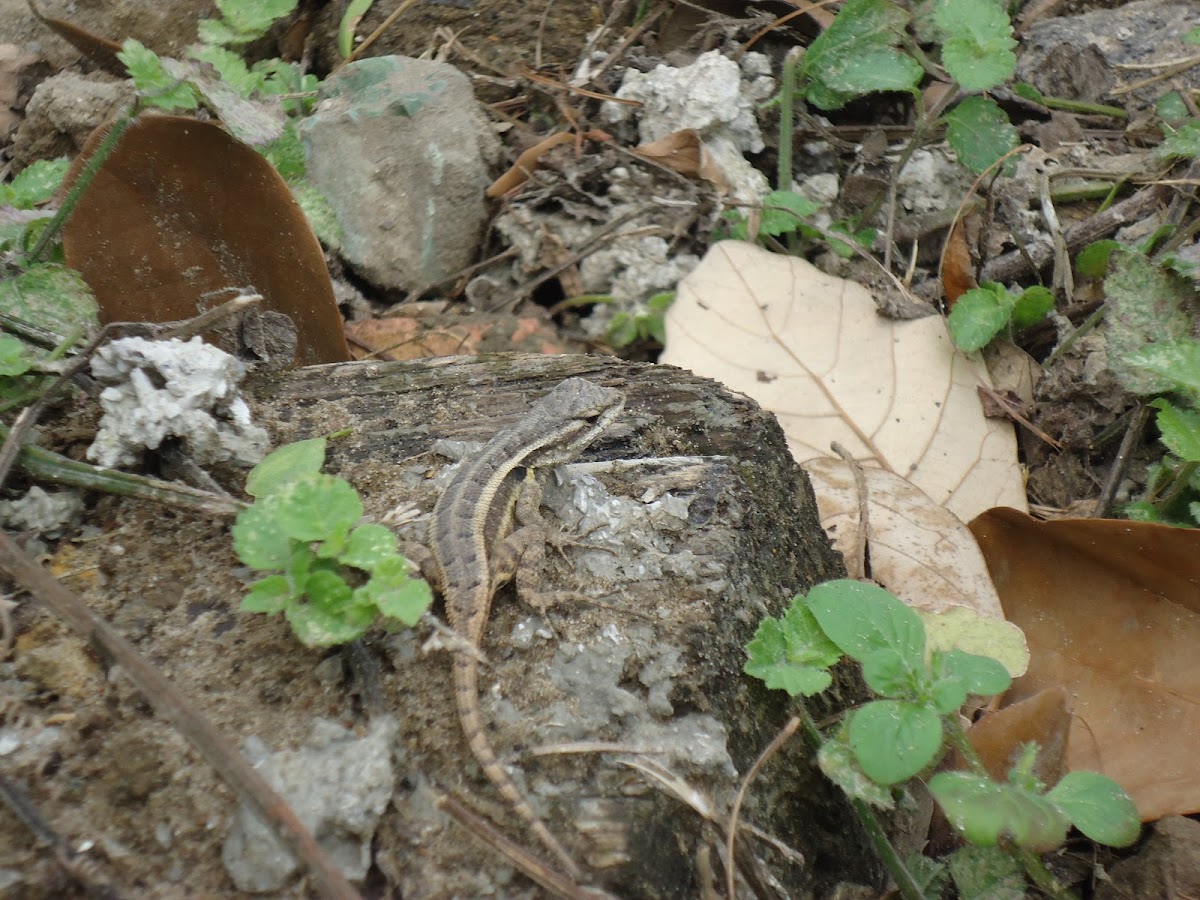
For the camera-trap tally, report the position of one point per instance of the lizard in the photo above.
(474, 546)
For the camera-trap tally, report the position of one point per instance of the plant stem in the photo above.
(42, 464)
(787, 100)
(905, 883)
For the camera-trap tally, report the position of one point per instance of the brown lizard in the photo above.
(475, 547)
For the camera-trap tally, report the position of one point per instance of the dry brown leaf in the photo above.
(811, 348)
(180, 209)
(529, 160)
(1043, 718)
(99, 50)
(1112, 615)
(957, 270)
(684, 152)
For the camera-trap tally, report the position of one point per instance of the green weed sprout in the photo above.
(645, 324)
(904, 733)
(333, 576)
(983, 312)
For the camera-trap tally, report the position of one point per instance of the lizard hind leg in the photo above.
(466, 692)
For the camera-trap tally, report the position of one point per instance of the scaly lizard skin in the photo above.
(475, 549)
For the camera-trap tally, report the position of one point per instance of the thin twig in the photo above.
(1116, 472)
(772, 748)
(552, 880)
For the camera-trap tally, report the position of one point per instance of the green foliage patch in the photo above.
(905, 731)
(332, 577)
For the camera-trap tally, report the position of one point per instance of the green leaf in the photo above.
(286, 154)
(268, 595)
(1092, 260)
(14, 357)
(986, 873)
(1032, 305)
(156, 86)
(893, 740)
(622, 330)
(947, 695)
(1171, 107)
(979, 315)
(1147, 305)
(892, 674)
(231, 68)
(979, 132)
(984, 811)
(1029, 92)
(314, 627)
(36, 183)
(243, 21)
(1172, 365)
(285, 465)
(395, 593)
(259, 539)
(864, 618)
(368, 546)
(318, 508)
(977, 48)
(837, 762)
(320, 214)
(50, 296)
(328, 590)
(792, 653)
(1099, 807)
(1179, 429)
(980, 675)
(857, 55)
(1184, 141)
(784, 211)
(350, 19)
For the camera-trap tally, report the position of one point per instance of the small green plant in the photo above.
(869, 48)
(36, 184)
(983, 312)
(259, 104)
(904, 733)
(645, 324)
(1152, 350)
(786, 214)
(333, 577)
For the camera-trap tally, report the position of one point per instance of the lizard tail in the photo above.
(466, 692)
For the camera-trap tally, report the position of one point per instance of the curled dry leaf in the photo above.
(181, 209)
(684, 152)
(528, 161)
(957, 269)
(1112, 615)
(1044, 718)
(811, 348)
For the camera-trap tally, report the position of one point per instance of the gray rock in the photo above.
(337, 784)
(399, 148)
(1078, 57)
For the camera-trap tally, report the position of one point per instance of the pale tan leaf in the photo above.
(811, 348)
